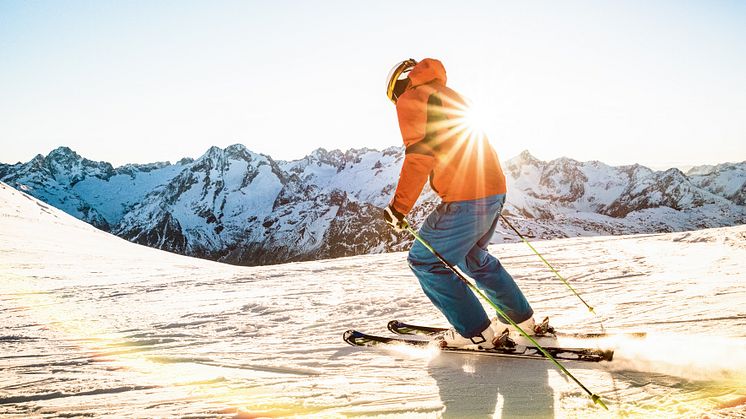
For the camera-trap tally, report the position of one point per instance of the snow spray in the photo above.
(692, 357)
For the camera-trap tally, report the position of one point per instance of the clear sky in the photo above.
(660, 83)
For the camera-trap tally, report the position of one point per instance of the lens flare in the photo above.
(462, 119)
(476, 119)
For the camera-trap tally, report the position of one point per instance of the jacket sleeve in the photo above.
(414, 174)
(419, 160)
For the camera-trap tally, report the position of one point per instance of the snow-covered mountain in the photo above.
(726, 180)
(241, 207)
(94, 192)
(565, 198)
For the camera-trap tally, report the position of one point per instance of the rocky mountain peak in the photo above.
(37, 162)
(319, 153)
(63, 153)
(394, 151)
(334, 157)
(239, 152)
(216, 156)
(66, 165)
(524, 158)
(212, 153)
(675, 174)
(707, 170)
(727, 179)
(702, 170)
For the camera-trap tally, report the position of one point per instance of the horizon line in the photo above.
(657, 167)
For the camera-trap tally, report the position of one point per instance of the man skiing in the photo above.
(464, 170)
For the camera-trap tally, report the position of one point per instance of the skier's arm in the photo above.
(414, 174)
(419, 160)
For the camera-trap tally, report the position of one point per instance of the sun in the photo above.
(465, 120)
(476, 119)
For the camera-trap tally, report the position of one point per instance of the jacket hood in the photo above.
(426, 71)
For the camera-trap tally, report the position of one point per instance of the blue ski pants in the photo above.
(460, 231)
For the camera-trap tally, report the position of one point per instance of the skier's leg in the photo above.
(453, 238)
(491, 276)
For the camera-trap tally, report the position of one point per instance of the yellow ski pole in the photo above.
(551, 268)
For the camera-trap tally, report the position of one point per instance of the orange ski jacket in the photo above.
(461, 164)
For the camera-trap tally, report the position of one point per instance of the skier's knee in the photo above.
(413, 261)
(478, 263)
(418, 262)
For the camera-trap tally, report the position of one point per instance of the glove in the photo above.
(395, 219)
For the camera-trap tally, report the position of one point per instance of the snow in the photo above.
(727, 179)
(317, 227)
(605, 184)
(112, 197)
(360, 179)
(261, 196)
(92, 325)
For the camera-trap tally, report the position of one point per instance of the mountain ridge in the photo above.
(238, 206)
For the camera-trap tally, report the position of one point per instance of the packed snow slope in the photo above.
(237, 206)
(92, 325)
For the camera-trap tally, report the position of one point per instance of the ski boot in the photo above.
(543, 328)
(452, 339)
(542, 332)
(503, 342)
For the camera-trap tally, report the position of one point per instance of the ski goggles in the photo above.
(398, 79)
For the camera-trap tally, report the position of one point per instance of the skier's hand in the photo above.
(395, 219)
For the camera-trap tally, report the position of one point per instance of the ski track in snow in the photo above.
(94, 325)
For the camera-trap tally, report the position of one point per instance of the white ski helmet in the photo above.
(398, 79)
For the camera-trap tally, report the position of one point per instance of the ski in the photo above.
(355, 338)
(401, 328)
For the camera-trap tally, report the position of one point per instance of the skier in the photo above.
(464, 170)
